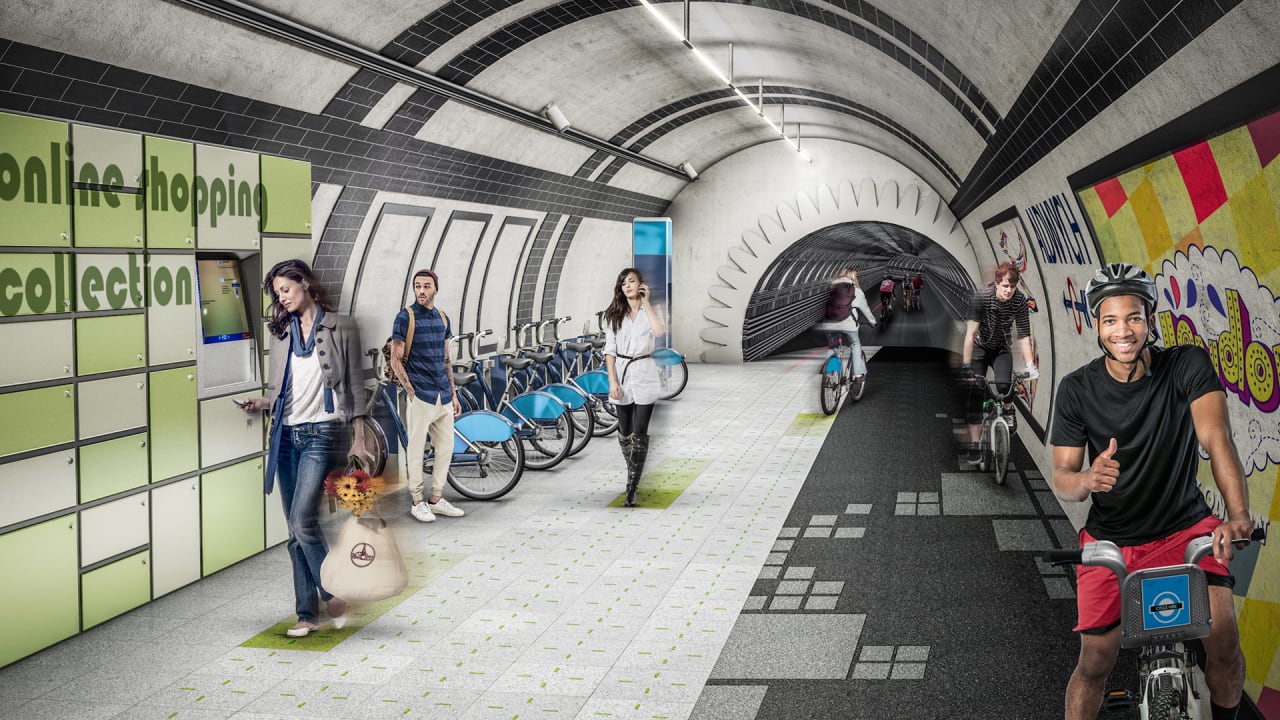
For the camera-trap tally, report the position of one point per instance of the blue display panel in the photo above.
(1166, 602)
(651, 249)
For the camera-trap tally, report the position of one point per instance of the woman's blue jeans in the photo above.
(307, 453)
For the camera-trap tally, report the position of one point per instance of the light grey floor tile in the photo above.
(729, 702)
(904, 509)
(818, 647)
(976, 494)
(850, 532)
(799, 572)
(823, 520)
(755, 602)
(770, 572)
(821, 602)
(789, 532)
(858, 509)
(793, 587)
(911, 653)
(828, 587)
(871, 671)
(876, 653)
(906, 497)
(1021, 535)
(1058, 588)
(504, 706)
(818, 532)
(785, 602)
(907, 671)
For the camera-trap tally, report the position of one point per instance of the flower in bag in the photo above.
(354, 489)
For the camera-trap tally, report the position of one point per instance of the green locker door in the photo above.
(35, 284)
(232, 516)
(116, 588)
(115, 342)
(108, 219)
(112, 466)
(47, 417)
(170, 212)
(175, 427)
(42, 587)
(39, 213)
(286, 187)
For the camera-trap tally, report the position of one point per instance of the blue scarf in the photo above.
(298, 347)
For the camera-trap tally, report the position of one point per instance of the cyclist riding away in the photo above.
(844, 302)
(993, 312)
(1138, 413)
(886, 292)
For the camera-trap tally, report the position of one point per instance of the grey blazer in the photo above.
(338, 344)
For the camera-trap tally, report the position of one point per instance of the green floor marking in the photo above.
(805, 422)
(662, 485)
(423, 568)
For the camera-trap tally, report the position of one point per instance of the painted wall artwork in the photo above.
(1204, 220)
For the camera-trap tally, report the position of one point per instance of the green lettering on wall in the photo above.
(90, 286)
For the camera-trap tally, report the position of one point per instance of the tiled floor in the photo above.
(547, 603)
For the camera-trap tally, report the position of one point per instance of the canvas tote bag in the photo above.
(364, 564)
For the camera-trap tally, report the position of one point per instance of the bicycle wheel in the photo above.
(606, 417)
(490, 473)
(1000, 449)
(673, 378)
(375, 441)
(549, 443)
(1164, 704)
(584, 427)
(856, 388)
(829, 392)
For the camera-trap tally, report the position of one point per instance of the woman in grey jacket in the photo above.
(315, 389)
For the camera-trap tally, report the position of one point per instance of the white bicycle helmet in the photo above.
(1120, 279)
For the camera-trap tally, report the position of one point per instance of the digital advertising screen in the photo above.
(224, 316)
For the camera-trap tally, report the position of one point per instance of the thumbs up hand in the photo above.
(1103, 473)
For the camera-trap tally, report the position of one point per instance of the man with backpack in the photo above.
(420, 365)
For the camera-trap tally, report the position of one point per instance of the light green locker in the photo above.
(113, 466)
(108, 219)
(35, 284)
(42, 587)
(39, 350)
(115, 342)
(286, 187)
(231, 515)
(226, 210)
(37, 211)
(112, 405)
(37, 418)
(175, 536)
(171, 309)
(116, 588)
(170, 211)
(175, 428)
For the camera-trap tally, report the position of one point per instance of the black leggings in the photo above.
(1002, 361)
(634, 419)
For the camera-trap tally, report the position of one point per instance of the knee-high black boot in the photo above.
(635, 466)
(626, 442)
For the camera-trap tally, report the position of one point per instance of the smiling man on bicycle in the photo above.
(1139, 413)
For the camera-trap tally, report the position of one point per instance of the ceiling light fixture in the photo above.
(758, 107)
(557, 118)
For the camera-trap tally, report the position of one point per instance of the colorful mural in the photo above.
(1205, 221)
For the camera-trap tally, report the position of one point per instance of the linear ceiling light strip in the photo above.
(298, 34)
(682, 37)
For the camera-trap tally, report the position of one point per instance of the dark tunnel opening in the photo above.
(790, 297)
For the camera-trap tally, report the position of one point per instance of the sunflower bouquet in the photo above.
(354, 489)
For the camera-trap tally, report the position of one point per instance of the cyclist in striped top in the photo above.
(996, 312)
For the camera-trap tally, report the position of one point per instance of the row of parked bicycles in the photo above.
(527, 408)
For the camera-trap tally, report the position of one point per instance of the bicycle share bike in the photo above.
(1160, 609)
(837, 378)
(997, 436)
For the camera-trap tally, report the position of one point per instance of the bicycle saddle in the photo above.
(578, 346)
(542, 358)
(517, 363)
(464, 378)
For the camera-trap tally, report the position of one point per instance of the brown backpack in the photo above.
(408, 342)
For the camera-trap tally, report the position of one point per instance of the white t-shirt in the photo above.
(304, 402)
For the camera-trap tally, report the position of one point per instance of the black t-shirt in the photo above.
(1150, 418)
(995, 318)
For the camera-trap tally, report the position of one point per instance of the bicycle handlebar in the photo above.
(1106, 554)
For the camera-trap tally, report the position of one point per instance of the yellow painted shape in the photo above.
(1260, 638)
(1236, 157)
(1257, 227)
(1175, 201)
(1151, 221)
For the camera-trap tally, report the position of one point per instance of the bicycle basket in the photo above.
(1164, 605)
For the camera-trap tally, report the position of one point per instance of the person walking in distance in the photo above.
(631, 324)
(424, 373)
(1126, 435)
(315, 387)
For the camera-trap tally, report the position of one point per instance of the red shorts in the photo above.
(1098, 593)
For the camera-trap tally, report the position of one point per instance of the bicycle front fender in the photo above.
(567, 394)
(595, 382)
(537, 405)
(831, 365)
(667, 356)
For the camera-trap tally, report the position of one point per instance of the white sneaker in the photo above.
(444, 507)
(422, 512)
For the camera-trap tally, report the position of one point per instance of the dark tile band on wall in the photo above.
(498, 44)
(1103, 51)
(342, 152)
(533, 268)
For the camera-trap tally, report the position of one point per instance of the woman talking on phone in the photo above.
(315, 389)
(630, 325)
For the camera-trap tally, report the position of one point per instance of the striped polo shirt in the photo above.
(426, 366)
(996, 318)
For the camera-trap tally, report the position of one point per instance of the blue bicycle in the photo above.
(837, 379)
(487, 455)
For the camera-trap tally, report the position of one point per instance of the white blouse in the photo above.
(639, 377)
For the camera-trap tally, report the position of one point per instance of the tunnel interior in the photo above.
(790, 296)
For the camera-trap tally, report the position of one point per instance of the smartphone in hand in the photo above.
(242, 404)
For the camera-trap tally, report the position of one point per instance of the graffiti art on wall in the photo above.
(1205, 221)
(1073, 301)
